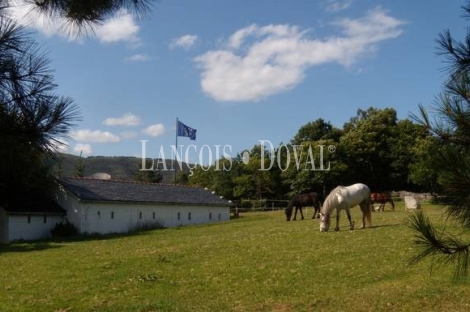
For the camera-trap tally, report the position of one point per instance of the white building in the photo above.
(114, 206)
(29, 219)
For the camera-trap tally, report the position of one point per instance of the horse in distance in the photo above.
(382, 199)
(303, 200)
(346, 197)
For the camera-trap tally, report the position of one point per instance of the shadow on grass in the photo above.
(27, 247)
(385, 225)
(97, 236)
(58, 242)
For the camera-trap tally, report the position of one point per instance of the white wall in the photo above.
(31, 227)
(110, 217)
(122, 217)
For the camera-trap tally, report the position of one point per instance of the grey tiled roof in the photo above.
(129, 191)
(35, 205)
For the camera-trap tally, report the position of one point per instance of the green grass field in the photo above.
(258, 262)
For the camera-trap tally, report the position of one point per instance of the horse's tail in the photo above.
(367, 211)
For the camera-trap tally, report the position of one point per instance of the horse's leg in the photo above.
(295, 214)
(338, 210)
(351, 223)
(364, 214)
(301, 213)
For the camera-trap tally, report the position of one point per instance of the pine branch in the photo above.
(432, 243)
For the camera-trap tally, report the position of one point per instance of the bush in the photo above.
(66, 229)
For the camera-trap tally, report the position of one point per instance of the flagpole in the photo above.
(176, 147)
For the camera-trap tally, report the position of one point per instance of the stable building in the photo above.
(118, 206)
(113, 206)
(29, 219)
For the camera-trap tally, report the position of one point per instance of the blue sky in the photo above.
(242, 71)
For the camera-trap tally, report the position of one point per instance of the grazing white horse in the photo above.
(345, 197)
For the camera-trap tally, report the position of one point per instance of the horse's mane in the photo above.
(331, 201)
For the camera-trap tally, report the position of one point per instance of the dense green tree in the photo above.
(452, 128)
(366, 147)
(201, 177)
(405, 148)
(424, 167)
(314, 165)
(252, 181)
(218, 177)
(316, 130)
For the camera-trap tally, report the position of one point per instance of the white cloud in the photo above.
(59, 145)
(96, 136)
(261, 61)
(85, 149)
(128, 120)
(154, 130)
(119, 28)
(337, 5)
(25, 14)
(185, 42)
(137, 58)
(122, 27)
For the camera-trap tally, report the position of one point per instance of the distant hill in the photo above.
(119, 167)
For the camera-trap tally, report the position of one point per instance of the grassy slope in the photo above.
(259, 262)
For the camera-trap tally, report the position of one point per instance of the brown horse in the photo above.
(303, 200)
(382, 199)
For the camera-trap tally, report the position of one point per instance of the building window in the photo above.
(153, 215)
(29, 218)
(45, 219)
(189, 215)
(112, 214)
(179, 216)
(140, 215)
(210, 215)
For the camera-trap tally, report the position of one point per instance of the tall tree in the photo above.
(366, 147)
(452, 127)
(316, 130)
(32, 117)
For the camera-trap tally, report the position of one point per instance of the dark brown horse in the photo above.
(382, 199)
(304, 200)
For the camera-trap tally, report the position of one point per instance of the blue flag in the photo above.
(186, 131)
